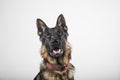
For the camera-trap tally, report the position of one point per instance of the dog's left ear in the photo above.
(61, 22)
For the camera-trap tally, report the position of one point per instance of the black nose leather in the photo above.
(55, 41)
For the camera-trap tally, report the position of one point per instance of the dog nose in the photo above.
(55, 41)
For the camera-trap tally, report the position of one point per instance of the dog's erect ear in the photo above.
(41, 26)
(61, 22)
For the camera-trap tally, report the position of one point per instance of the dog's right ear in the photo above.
(41, 26)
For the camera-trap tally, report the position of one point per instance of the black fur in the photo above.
(57, 49)
(53, 38)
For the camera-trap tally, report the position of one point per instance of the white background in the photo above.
(94, 28)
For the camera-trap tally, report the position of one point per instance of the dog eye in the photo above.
(59, 33)
(48, 35)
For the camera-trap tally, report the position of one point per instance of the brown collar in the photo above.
(56, 68)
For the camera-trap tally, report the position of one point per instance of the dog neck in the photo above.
(56, 68)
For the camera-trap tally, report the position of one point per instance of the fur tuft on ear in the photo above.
(61, 22)
(41, 26)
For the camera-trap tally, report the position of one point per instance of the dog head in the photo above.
(54, 39)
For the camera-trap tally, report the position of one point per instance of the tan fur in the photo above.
(57, 75)
(55, 66)
(63, 60)
(45, 55)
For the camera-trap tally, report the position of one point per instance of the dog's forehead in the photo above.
(54, 29)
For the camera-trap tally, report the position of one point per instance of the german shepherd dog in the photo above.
(55, 51)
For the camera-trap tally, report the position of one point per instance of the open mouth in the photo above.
(57, 50)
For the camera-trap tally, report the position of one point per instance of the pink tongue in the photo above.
(56, 51)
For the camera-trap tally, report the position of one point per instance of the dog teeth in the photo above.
(57, 51)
